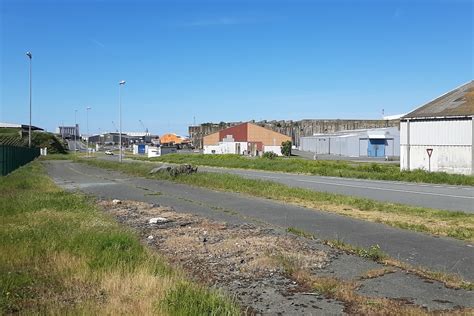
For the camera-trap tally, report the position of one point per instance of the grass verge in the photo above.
(59, 254)
(457, 225)
(346, 169)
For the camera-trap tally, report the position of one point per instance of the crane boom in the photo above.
(143, 125)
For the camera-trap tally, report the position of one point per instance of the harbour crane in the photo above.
(116, 130)
(143, 125)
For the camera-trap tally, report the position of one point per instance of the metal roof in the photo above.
(455, 103)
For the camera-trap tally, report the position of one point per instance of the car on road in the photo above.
(108, 152)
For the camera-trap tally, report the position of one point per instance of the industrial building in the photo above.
(127, 138)
(172, 139)
(153, 151)
(23, 127)
(376, 142)
(68, 132)
(244, 139)
(439, 135)
(294, 129)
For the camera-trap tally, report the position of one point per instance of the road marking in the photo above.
(373, 188)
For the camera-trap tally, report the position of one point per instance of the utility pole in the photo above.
(75, 132)
(30, 56)
(87, 127)
(121, 83)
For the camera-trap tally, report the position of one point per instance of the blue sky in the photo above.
(228, 60)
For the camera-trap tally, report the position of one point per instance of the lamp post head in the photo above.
(122, 82)
(88, 108)
(29, 55)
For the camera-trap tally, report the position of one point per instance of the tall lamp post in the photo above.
(87, 127)
(121, 83)
(30, 56)
(75, 132)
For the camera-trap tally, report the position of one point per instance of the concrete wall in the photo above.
(226, 148)
(274, 149)
(451, 141)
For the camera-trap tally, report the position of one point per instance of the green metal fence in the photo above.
(13, 157)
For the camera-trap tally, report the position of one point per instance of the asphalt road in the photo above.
(436, 196)
(454, 198)
(441, 254)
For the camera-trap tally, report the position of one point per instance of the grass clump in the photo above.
(189, 299)
(373, 253)
(457, 225)
(59, 254)
(300, 232)
(346, 169)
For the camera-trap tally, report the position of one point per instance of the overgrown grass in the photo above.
(457, 225)
(66, 156)
(346, 169)
(54, 144)
(61, 255)
(186, 299)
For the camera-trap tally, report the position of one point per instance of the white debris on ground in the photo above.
(158, 220)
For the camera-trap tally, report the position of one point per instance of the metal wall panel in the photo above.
(451, 142)
(13, 157)
(449, 132)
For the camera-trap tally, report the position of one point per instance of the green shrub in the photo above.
(286, 148)
(269, 155)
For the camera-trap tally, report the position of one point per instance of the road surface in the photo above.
(437, 253)
(437, 196)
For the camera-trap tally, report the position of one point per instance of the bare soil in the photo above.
(259, 266)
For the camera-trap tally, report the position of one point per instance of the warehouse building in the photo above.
(244, 139)
(68, 132)
(377, 142)
(439, 135)
(172, 139)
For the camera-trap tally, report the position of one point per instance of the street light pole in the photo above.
(30, 56)
(87, 127)
(121, 83)
(75, 132)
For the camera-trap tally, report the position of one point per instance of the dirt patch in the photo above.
(267, 270)
(248, 261)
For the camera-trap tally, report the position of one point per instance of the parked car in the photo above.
(108, 152)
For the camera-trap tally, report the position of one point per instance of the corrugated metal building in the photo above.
(244, 139)
(442, 128)
(377, 142)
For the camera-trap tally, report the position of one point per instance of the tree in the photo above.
(286, 148)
